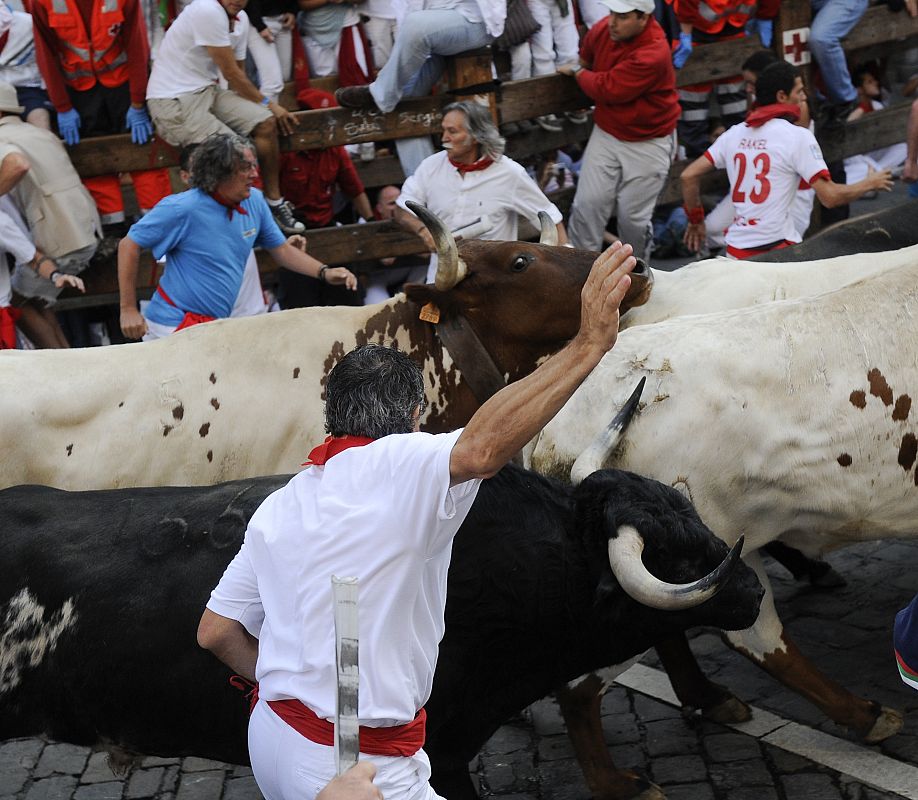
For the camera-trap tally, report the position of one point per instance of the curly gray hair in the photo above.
(217, 158)
(482, 128)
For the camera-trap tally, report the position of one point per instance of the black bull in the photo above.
(532, 604)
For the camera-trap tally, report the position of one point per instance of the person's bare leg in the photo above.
(41, 328)
(40, 118)
(264, 137)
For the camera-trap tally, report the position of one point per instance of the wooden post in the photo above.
(792, 34)
(472, 69)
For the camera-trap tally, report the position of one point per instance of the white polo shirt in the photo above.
(765, 165)
(384, 513)
(183, 64)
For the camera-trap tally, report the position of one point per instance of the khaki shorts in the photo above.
(191, 118)
(26, 282)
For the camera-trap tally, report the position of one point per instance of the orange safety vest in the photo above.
(714, 13)
(85, 61)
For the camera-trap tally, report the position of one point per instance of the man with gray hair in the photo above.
(207, 234)
(382, 502)
(472, 186)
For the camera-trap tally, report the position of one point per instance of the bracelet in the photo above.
(322, 270)
(695, 215)
(41, 261)
(56, 272)
(266, 101)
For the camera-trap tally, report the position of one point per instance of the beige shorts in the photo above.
(191, 118)
(26, 282)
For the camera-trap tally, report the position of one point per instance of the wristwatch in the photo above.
(576, 68)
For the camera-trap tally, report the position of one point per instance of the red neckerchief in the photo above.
(331, 447)
(228, 205)
(3, 39)
(482, 163)
(759, 116)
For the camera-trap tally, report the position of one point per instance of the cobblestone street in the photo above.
(788, 752)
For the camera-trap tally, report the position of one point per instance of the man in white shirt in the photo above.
(766, 157)
(382, 502)
(429, 31)
(478, 192)
(207, 41)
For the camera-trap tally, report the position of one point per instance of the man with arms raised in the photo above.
(766, 157)
(382, 502)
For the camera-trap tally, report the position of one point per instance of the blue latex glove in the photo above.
(683, 51)
(139, 122)
(68, 123)
(765, 29)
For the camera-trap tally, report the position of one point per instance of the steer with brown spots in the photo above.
(238, 398)
(788, 421)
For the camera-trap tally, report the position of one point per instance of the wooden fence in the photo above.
(878, 33)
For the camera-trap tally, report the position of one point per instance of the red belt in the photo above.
(190, 317)
(8, 317)
(398, 740)
(739, 252)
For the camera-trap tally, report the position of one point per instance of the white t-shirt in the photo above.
(492, 12)
(15, 239)
(765, 165)
(484, 204)
(183, 64)
(384, 513)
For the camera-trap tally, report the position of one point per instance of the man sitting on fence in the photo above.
(207, 41)
(207, 234)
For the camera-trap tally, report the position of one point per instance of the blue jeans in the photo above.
(832, 20)
(417, 58)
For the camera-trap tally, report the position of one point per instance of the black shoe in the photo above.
(283, 216)
(355, 97)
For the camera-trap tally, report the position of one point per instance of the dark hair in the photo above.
(216, 159)
(184, 157)
(373, 391)
(759, 60)
(777, 77)
(861, 71)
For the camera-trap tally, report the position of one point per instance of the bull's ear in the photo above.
(421, 293)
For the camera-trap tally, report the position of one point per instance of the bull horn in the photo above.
(607, 440)
(637, 582)
(450, 268)
(548, 230)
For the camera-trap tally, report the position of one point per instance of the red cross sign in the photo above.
(795, 46)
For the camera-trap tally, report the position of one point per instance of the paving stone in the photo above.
(508, 739)
(629, 757)
(61, 758)
(20, 753)
(99, 791)
(678, 769)
(812, 786)
(551, 748)
(499, 777)
(649, 710)
(546, 717)
(731, 747)
(620, 728)
(240, 771)
(737, 774)
(13, 779)
(670, 737)
(157, 761)
(144, 782)
(98, 770)
(57, 787)
(690, 791)
(243, 788)
(786, 762)
(562, 780)
(194, 764)
(760, 793)
(171, 779)
(518, 796)
(201, 785)
(616, 701)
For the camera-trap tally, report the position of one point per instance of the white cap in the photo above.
(624, 6)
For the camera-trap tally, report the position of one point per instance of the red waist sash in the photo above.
(8, 317)
(741, 253)
(399, 740)
(190, 318)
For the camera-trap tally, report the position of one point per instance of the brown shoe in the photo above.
(355, 97)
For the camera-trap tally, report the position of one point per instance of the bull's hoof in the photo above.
(888, 723)
(729, 710)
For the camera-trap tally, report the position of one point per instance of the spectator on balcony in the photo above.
(270, 42)
(335, 42)
(208, 41)
(553, 45)
(64, 223)
(476, 190)
(19, 67)
(207, 234)
(832, 21)
(381, 28)
(626, 69)
(310, 180)
(93, 55)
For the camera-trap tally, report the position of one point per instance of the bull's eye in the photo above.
(521, 262)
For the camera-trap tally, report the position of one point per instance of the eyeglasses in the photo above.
(248, 166)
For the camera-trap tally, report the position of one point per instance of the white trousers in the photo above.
(557, 42)
(381, 33)
(273, 60)
(289, 766)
